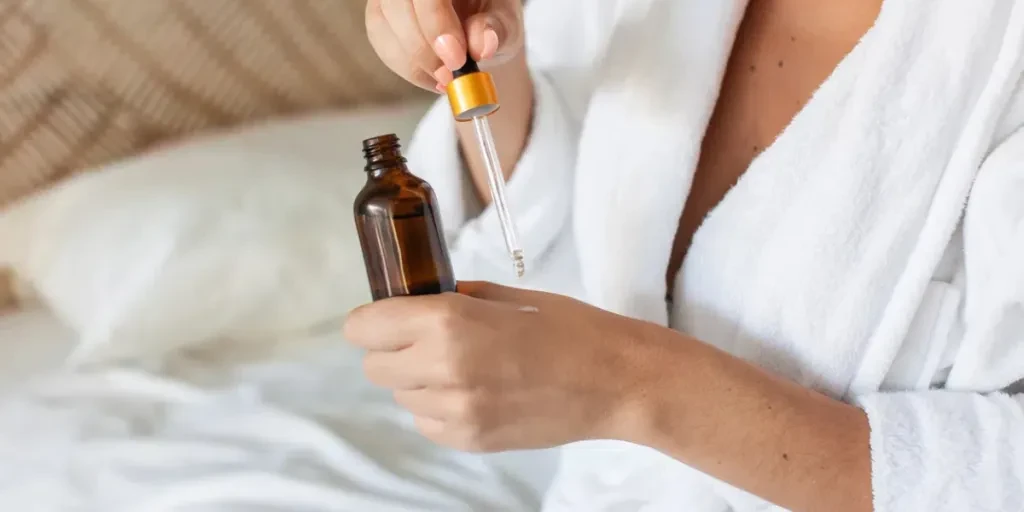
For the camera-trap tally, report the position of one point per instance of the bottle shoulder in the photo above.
(396, 192)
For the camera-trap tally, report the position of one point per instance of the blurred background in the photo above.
(86, 82)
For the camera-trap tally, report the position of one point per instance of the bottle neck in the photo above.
(383, 156)
(384, 152)
(379, 172)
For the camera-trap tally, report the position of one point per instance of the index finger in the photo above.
(442, 27)
(390, 324)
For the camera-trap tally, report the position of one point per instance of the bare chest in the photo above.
(771, 75)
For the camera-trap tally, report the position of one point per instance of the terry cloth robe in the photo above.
(874, 252)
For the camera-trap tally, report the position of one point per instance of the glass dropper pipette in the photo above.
(473, 97)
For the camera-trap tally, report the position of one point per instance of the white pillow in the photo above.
(245, 237)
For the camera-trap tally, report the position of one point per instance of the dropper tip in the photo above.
(518, 263)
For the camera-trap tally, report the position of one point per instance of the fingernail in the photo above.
(490, 44)
(440, 89)
(443, 75)
(448, 49)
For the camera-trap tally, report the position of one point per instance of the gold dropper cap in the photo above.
(472, 93)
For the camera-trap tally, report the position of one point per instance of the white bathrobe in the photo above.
(874, 252)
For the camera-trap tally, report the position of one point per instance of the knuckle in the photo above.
(452, 367)
(419, 77)
(433, 7)
(385, 46)
(372, 370)
(352, 329)
(449, 327)
(476, 441)
(467, 408)
(467, 443)
(423, 56)
(448, 318)
(374, 16)
(432, 11)
(435, 15)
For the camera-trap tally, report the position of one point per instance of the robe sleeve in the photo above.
(562, 43)
(946, 451)
(962, 447)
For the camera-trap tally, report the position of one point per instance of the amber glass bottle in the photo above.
(399, 227)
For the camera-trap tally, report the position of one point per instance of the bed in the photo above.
(303, 431)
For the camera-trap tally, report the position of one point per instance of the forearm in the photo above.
(510, 124)
(761, 433)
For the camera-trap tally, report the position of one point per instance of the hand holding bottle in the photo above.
(423, 41)
(493, 368)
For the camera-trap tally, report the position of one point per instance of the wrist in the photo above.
(745, 426)
(656, 361)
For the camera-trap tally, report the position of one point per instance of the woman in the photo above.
(833, 322)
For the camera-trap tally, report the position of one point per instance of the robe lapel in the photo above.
(825, 248)
(860, 194)
(665, 67)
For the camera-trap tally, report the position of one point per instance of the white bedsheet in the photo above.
(309, 434)
(299, 435)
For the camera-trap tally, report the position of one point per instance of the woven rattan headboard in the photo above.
(83, 82)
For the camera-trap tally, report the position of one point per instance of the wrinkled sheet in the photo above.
(304, 434)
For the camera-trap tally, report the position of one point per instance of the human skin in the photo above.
(493, 368)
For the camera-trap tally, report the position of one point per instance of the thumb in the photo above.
(494, 36)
